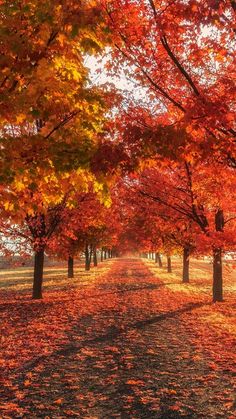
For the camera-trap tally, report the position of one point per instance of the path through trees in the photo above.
(121, 344)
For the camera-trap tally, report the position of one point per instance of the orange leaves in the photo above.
(171, 391)
(10, 407)
(194, 8)
(196, 358)
(27, 383)
(135, 383)
(58, 401)
(73, 349)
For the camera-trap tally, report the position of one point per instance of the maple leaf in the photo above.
(58, 401)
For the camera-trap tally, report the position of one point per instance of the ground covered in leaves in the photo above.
(123, 341)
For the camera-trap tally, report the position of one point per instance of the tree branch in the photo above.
(151, 81)
(61, 124)
(177, 63)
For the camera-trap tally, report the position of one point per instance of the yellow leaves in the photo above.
(50, 178)
(20, 118)
(146, 162)
(97, 186)
(67, 69)
(9, 206)
(107, 201)
(19, 185)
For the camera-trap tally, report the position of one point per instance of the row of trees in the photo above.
(181, 54)
(52, 123)
(172, 211)
(85, 166)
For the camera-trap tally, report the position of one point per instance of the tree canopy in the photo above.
(87, 166)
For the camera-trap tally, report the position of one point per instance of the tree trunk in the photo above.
(105, 254)
(70, 267)
(186, 255)
(217, 275)
(95, 259)
(217, 261)
(169, 268)
(87, 258)
(38, 274)
(90, 254)
(101, 255)
(158, 259)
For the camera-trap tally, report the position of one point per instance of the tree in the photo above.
(182, 54)
(194, 193)
(42, 212)
(52, 117)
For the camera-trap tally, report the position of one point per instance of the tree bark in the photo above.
(158, 259)
(169, 268)
(95, 259)
(101, 255)
(217, 260)
(70, 267)
(105, 254)
(217, 275)
(87, 258)
(38, 274)
(186, 255)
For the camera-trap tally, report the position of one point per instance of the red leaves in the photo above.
(212, 366)
(175, 407)
(156, 345)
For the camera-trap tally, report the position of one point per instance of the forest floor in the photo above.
(125, 340)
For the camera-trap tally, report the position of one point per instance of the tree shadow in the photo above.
(21, 304)
(112, 333)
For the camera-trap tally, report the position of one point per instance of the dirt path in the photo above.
(134, 350)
